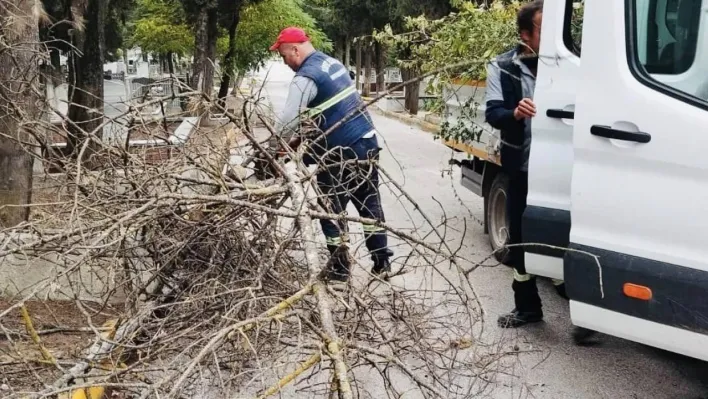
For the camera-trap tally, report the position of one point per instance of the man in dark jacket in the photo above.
(510, 108)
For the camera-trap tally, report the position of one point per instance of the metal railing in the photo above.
(146, 89)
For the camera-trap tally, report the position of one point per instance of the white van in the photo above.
(618, 172)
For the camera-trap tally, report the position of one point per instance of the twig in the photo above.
(35, 337)
(311, 361)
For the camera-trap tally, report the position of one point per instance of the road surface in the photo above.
(553, 367)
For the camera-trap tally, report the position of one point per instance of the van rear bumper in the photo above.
(647, 332)
(679, 294)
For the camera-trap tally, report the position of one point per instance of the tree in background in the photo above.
(18, 102)
(203, 16)
(402, 12)
(160, 27)
(86, 75)
(89, 32)
(330, 22)
(55, 34)
(347, 20)
(258, 28)
(236, 33)
(233, 19)
(467, 39)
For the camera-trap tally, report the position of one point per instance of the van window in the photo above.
(573, 29)
(669, 42)
(668, 32)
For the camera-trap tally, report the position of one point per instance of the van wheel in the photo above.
(496, 216)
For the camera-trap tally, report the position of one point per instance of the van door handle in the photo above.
(610, 133)
(560, 114)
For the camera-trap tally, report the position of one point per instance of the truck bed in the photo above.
(464, 108)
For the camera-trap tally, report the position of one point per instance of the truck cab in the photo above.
(618, 170)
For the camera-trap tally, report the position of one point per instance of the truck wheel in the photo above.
(496, 216)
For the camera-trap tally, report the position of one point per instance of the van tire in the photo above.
(496, 216)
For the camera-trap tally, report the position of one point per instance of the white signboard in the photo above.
(393, 75)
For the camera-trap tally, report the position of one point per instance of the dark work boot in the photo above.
(382, 269)
(382, 266)
(516, 318)
(337, 269)
(528, 305)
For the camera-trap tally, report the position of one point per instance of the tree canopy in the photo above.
(470, 36)
(160, 26)
(260, 26)
(167, 26)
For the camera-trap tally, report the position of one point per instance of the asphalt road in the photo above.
(551, 365)
(614, 369)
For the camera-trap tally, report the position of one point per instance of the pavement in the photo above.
(550, 365)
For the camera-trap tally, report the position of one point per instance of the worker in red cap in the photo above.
(322, 91)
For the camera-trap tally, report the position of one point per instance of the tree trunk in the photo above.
(229, 60)
(86, 80)
(239, 80)
(339, 50)
(163, 63)
(200, 49)
(358, 64)
(171, 63)
(212, 37)
(347, 51)
(380, 68)
(366, 90)
(411, 91)
(206, 35)
(18, 68)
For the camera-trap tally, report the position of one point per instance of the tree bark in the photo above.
(86, 80)
(358, 64)
(206, 35)
(18, 70)
(200, 49)
(411, 91)
(171, 63)
(212, 37)
(347, 51)
(229, 59)
(380, 68)
(339, 50)
(366, 90)
(163, 63)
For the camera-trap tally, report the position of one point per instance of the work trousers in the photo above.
(345, 175)
(526, 296)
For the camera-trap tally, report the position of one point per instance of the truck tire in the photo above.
(497, 219)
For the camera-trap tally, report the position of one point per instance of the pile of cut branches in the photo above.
(191, 267)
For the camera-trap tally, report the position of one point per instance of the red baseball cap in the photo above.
(290, 35)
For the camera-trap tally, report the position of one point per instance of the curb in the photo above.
(411, 120)
(434, 128)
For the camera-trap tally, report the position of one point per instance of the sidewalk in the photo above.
(426, 121)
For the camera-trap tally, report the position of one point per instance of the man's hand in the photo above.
(525, 109)
(294, 143)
